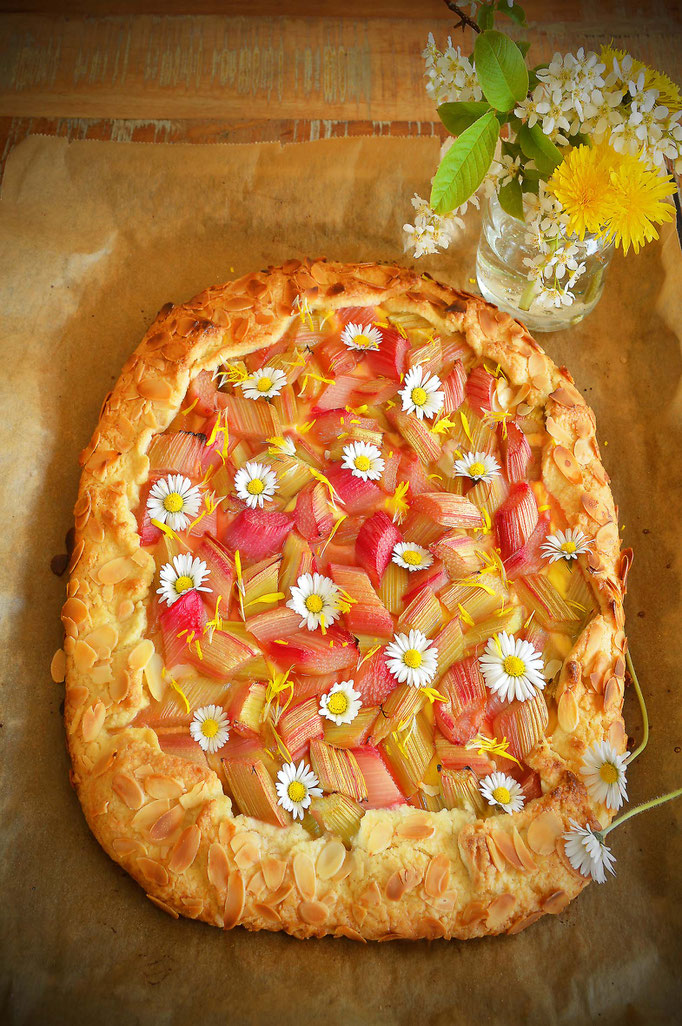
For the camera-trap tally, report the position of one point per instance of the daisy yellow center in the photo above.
(210, 727)
(513, 666)
(264, 384)
(412, 557)
(296, 791)
(568, 546)
(255, 487)
(362, 341)
(314, 604)
(412, 658)
(419, 396)
(173, 502)
(477, 469)
(338, 703)
(608, 773)
(502, 795)
(183, 583)
(362, 463)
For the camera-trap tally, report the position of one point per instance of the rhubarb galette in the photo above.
(345, 616)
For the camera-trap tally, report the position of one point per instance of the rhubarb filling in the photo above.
(368, 581)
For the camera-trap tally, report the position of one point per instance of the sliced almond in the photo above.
(218, 867)
(84, 656)
(103, 639)
(555, 902)
(313, 912)
(524, 923)
(167, 824)
(415, 829)
(505, 844)
(116, 570)
(273, 871)
(163, 906)
(185, 849)
(400, 882)
(330, 860)
(568, 712)
(499, 910)
(379, 837)
(157, 785)
(247, 855)
(141, 654)
(437, 877)
(525, 856)
(93, 721)
(155, 388)
(58, 666)
(152, 871)
(127, 846)
(144, 818)
(543, 831)
(371, 895)
(266, 912)
(595, 509)
(76, 610)
(234, 901)
(567, 464)
(304, 875)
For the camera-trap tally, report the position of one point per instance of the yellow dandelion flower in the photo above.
(637, 202)
(582, 184)
(668, 92)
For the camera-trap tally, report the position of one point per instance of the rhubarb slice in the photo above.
(249, 419)
(221, 656)
(313, 516)
(417, 434)
(529, 559)
(410, 753)
(522, 724)
(424, 614)
(382, 790)
(460, 791)
(374, 545)
(203, 392)
(337, 770)
(185, 617)
(367, 615)
(315, 653)
(351, 735)
(460, 718)
(374, 680)
(516, 519)
(257, 533)
(253, 791)
(261, 582)
(459, 553)
(480, 388)
(179, 452)
(458, 757)
(453, 388)
(390, 359)
(221, 570)
(356, 495)
(339, 815)
(300, 725)
(517, 453)
(449, 510)
(245, 708)
(401, 705)
(539, 595)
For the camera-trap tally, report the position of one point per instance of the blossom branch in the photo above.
(464, 18)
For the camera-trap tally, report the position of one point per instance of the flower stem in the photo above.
(642, 808)
(528, 295)
(642, 707)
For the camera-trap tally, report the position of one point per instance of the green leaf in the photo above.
(516, 12)
(501, 70)
(459, 116)
(464, 166)
(524, 47)
(538, 147)
(511, 198)
(485, 18)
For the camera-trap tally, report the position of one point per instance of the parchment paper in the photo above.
(94, 238)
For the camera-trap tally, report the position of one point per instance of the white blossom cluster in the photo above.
(430, 231)
(449, 75)
(577, 93)
(557, 265)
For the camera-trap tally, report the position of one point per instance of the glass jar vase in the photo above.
(503, 276)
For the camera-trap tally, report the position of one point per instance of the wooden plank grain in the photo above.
(208, 66)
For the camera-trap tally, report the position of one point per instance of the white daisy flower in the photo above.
(315, 598)
(587, 852)
(566, 545)
(364, 460)
(181, 575)
(264, 383)
(412, 659)
(296, 787)
(604, 772)
(361, 336)
(210, 727)
(512, 668)
(255, 483)
(479, 466)
(175, 501)
(411, 556)
(500, 789)
(421, 393)
(342, 703)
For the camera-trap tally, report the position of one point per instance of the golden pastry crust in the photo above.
(409, 873)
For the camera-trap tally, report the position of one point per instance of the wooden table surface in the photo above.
(210, 71)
